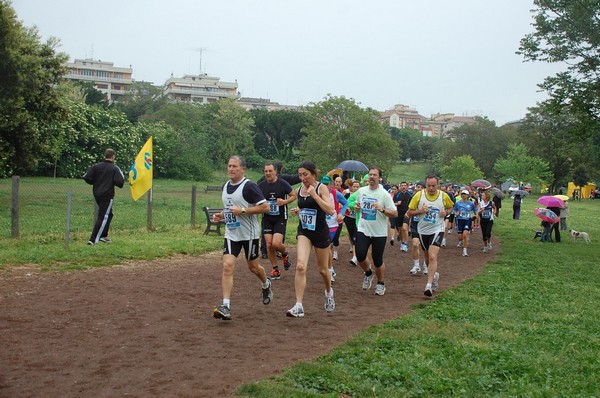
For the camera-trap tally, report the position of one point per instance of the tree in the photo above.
(568, 32)
(28, 72)
(518, 164)
(580, 177)
(338, 129)
(462, 170)
(483, 141)
(142, 99)
(277, 133)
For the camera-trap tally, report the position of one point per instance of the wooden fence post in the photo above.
(193, 206)
(15, 206)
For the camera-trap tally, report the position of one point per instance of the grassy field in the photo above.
(527, 326)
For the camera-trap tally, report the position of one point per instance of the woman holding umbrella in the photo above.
(516, 207)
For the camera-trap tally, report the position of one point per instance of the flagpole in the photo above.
(149, 213)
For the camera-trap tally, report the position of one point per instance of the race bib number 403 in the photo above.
(308, 219)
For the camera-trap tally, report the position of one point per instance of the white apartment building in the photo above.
(199, 88)
(111, 80)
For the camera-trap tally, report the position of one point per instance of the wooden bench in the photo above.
(213, 188)
(212, 226)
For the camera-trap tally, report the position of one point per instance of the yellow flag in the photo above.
(140, 174)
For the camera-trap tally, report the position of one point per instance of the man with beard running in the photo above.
(279, 194)
(375, 204)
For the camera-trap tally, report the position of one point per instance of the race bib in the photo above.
(368, 212)
(486, 214)
(465, 215)
(273, 208)
(308, 219)
(230, 219)
(432, 215)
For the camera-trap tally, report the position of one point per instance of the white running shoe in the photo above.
(436, 281)
(367, 281)
(490, 246)
(329, 302)
(415, 269)
(335, 255)
(380, 289)
(485, 249)
(460, 243)
(450, 231)
(428, 292)
(465, 254)
(353, 261)
(333, 274)
(297, 311)
(425, 269)
(404, 247)
(444, 242)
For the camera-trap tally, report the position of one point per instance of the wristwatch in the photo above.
(243, 210)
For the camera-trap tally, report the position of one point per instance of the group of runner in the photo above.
(324, 206)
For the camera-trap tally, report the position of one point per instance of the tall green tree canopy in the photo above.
(568, 32)
(277, 133)
(338, 129)
(462, 170)
(29, 70)
(519, 165)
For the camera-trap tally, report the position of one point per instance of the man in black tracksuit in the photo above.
(104, 176)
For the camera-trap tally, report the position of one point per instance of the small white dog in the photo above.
(582, 235)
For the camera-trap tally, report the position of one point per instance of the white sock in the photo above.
(227, 302)
(416, 263)
(329, 294)
(266, 284)
(428, 286)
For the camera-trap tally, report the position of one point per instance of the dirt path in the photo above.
(146, 328)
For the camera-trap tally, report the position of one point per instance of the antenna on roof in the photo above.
(200, 50)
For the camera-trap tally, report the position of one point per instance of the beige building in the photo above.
(402, 116)
(107, 78)
(199, 88)
(449, 121)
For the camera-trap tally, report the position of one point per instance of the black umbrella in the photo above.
(498, 193)
(352, 165)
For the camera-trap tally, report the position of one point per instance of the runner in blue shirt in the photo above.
(463, 211)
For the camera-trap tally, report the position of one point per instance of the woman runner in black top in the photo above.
(314, 202)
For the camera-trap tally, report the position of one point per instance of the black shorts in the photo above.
(235, 247)
(401, 219)
(431, 240)
(272, 226)
(449, 217)
(394, 223)
(463, 225)
(377, 248)
(319, 239)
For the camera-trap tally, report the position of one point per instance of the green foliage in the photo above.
(277, 133)
(231, 131)
(413, 145)
(568, 32)
(338, 129)
(483, 141)
(521, 166)
(76, 143)
(28, 71)
(580, 176)
(461, 170)
(141, 100)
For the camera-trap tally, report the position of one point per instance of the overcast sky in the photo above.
(446, 56)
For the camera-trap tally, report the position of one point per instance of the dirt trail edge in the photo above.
(146, 328)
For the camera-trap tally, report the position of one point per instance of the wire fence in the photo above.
(50, 209)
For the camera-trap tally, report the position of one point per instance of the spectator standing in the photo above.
(104, 176)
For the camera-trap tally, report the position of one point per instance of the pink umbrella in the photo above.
(546, 215)
(481, 184)
(550, 201)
